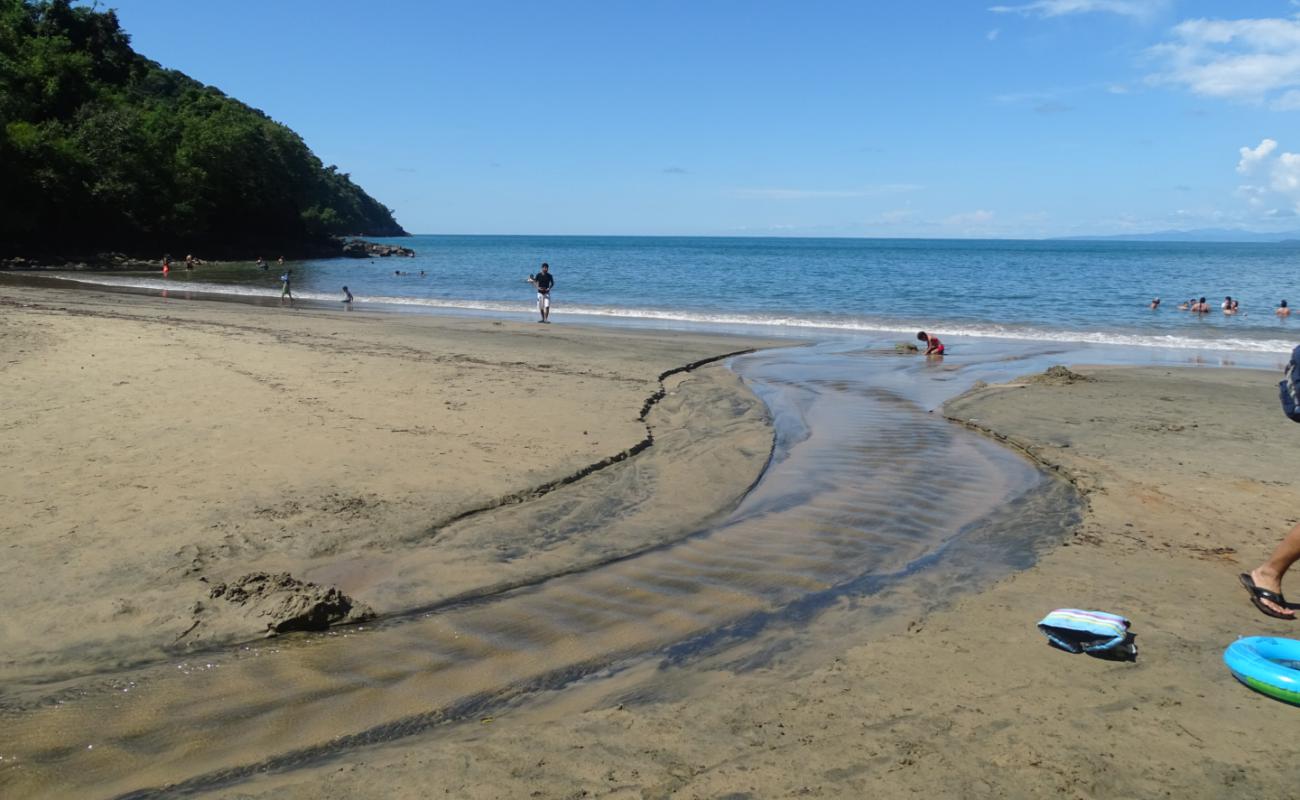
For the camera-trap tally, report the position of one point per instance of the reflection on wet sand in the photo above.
(865, 483)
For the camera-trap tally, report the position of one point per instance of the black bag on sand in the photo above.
(1290, 387)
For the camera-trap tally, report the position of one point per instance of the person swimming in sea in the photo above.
(1186, 304)
(933, 347)
(1283, 310)
(1201, 307)
(1155, 304)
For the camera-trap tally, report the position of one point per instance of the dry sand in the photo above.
(155, 449)
(1189, 479)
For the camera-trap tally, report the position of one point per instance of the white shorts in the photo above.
(543, 300)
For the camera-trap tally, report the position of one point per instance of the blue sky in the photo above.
(819, 118)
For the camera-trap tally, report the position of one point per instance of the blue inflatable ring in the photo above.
(1267, 665)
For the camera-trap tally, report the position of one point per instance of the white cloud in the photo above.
(1286, 174)
(993, 34)
(1061, 8)
(978, 217)
(1289, 101)
(897, 215)
(1250, 60)
(1279, 182)
(1251, 158)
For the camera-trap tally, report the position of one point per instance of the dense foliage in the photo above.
(103, 148)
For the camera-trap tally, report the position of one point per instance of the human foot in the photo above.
(1266, 594)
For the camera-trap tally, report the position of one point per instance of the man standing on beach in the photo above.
(285, 291)
(543, 280)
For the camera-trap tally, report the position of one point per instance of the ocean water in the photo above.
(1092, 292)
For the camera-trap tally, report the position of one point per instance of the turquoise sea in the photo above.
(1067, 291)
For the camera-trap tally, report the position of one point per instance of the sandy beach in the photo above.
(157, 449)
(1185, 474)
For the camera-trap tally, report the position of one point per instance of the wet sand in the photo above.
(1188, 479)
(157, 448)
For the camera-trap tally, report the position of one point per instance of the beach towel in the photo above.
(1093, 632)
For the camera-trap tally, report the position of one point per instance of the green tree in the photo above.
(101, 147)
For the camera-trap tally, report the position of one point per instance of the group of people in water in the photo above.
(543, 281)
(190, 263)
(1230, 306)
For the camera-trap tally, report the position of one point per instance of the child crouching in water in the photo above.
(933, 347)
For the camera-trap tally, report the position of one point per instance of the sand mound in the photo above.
(1058, 376)
(285, 603)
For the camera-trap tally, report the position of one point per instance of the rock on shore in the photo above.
(360, 248)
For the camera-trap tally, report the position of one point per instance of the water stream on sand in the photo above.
(866, 485)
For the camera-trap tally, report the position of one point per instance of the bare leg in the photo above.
(1269, 574)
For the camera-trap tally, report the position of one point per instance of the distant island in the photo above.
(1196, 235)
(102, 149)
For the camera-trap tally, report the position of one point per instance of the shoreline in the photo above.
(113, 260)
(1212, 342)
(187, 355)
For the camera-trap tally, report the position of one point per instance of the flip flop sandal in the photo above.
(1258, 595)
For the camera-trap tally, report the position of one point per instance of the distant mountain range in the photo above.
(1197, 235)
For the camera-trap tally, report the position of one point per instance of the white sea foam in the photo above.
(789, 322)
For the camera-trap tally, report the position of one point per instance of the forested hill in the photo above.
(101, 148)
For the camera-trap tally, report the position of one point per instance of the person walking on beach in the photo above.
(1282, 310)
(1264, 582)
(285, 290)
(933, 347)
(543, 280)
(261, 264)
(347, 299)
